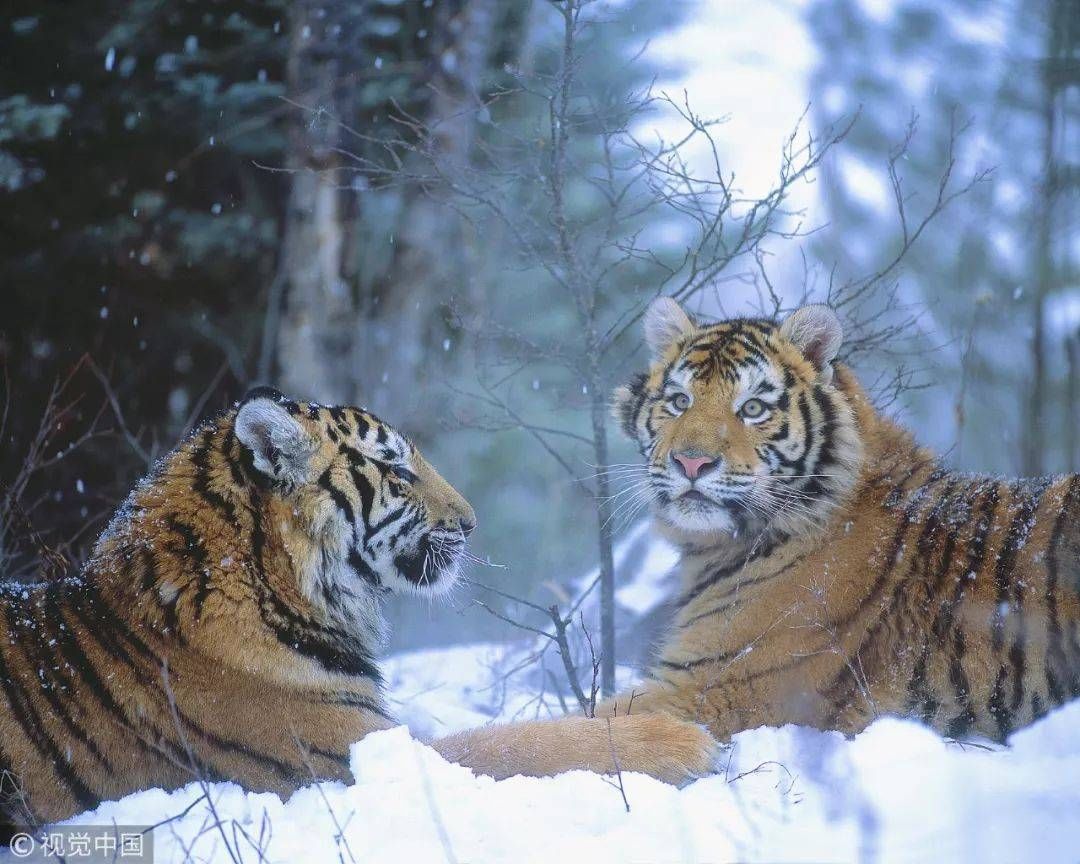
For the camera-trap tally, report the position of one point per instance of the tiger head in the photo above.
(741, 423)
(361, 508)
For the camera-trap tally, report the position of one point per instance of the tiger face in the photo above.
(360, 507)
(740, 422)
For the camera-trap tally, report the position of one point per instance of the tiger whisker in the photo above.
(646, 492)
(632, 487)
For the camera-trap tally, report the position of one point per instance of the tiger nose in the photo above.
(693, 466)
(466, 525)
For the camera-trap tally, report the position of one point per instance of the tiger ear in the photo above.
(281, 448)
(817, 332)
(665, 321)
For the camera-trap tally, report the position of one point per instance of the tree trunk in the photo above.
(599, 412)
(317, 325)
(1072, 401)
(1035, 409)
(430, 264)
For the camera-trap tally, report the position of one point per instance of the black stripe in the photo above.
(356, 700)
(958, 726)
(978, 546)
(229, 448)
(632, 410)
(19, 704)
(339, 759)
(114, 629)
(366, 492)
(898, 490)
(1017, 535)
(907, 518)
(97, 686)
(325, 646)
(52, 684)
(338, 497)
(109, 631)
(721, 573)
(193, 559)
(686, 665)
(391, 517)
(787, 664)
(836, 691)
(51, 628)
(1038, 710)
(996, 705)
(800, 462)
(104, 636)
(739, 585)
(827, 425)
(353, 455)
(1055, 652)
(920, 696)
(200, 459)
(362, 568)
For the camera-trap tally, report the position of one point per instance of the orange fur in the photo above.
(218, 630)
(869, 580)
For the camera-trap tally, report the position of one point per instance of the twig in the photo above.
(618, 769)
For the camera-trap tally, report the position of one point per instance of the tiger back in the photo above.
(832, 570)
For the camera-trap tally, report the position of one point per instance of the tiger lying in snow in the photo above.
(832, 570)
(227, 625)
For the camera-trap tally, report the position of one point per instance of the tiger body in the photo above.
(832, 570)
(228, 623)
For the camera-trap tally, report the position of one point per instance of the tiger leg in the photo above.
(653, 743)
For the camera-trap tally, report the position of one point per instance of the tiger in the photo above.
(832, 570)
(228, 624)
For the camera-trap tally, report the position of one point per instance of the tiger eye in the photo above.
(680, 401)
(752, 409)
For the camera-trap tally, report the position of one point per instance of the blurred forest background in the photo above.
(449, 212)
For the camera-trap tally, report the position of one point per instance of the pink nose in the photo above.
(692, 466)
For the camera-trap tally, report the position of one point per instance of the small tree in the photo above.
(582, 199)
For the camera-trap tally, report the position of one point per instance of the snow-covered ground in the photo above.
(897, 792)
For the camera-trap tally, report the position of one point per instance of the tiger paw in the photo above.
(665, 747)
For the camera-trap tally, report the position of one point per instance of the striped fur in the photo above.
(833, 571)
(228, 621)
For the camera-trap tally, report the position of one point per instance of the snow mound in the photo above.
(897, 792)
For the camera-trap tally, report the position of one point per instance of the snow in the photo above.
(648, 583)
(897, 792)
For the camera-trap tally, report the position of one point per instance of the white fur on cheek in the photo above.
(325, 572)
